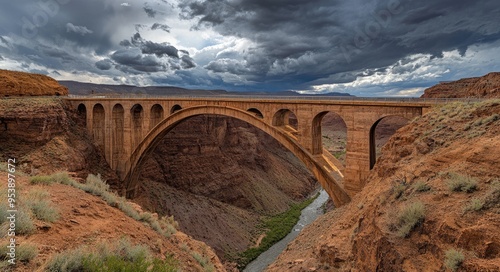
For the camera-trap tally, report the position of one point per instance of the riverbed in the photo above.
(308, 215)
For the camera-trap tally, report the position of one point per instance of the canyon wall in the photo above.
(421, 163)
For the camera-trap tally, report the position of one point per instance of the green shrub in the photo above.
(44, 211)
(492, 197)
(62, 178)
(95, 185)
(3, 210)
(109, 257)
(475, 204)
(277, 228)
(207, 266)
(42, 180)
(409, 217)
(398, 190)
(460, 183)
(24, 222)
(421, 187)
(26, 252)
(41, 207)
(67, 261)
(453, 259)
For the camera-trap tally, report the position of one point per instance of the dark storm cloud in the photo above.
(4, 41)
(141, 55)
(149, 47)
(187, 62)
(159, 49)
(56, 53)
(139, 27)
(133, 58)
(105, 64)
(75, 32)
(149, 10)
(319, 38)
(163, 27)
(78, 29)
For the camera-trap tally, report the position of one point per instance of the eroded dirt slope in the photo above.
(87, 220)
(453, 142)
(45, 137)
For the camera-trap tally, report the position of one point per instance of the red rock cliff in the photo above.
(487, 86)
(420, 163)
(14, 83)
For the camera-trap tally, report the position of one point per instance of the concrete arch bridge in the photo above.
(128, 130)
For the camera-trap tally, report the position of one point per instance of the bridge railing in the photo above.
(272, 97)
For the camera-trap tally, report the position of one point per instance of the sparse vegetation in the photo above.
(421, 186)
(475, 204)
(40, 206)
(25, 252)
(453, 259)
(24, 222)
(277, 228)
(42, 180)
(117, 256)
(207, 266)
(409, 217)
(461, 183)
(398, 189)
(96, 186)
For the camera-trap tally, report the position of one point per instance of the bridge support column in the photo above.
(127, 136)
(357, 152)
(89, 108)
(108, 127)
(305, 137)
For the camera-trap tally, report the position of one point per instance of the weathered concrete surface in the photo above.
(128, 129)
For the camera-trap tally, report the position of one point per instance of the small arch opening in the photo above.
(175, 108)
(137, 113)
(285, 118)
(156, 115)
(257, 113)
(98, 125)
(330, 133)
(82, 115)
(380, 132)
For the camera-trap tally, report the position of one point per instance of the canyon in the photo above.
(219, 177)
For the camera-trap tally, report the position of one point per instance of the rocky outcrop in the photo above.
(487, 86)
(218, 176)
(14, 83)
(453, 143)
(45, 136)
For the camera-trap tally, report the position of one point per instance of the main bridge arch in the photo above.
(130, 170)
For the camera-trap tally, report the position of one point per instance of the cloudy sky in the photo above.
(366, 48)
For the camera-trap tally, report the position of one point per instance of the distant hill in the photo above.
(487, 86)
(80, 88)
